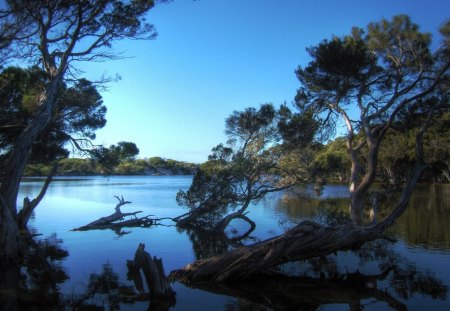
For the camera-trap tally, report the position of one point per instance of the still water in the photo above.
(410, 274)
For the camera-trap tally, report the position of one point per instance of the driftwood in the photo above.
(116, 220)
(161, 294)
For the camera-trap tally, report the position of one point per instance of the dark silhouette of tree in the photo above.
(322, 281)
(80, 111)
(54, 35)
(250, 166)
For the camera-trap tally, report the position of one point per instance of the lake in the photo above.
(410, 274)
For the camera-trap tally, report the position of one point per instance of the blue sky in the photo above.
(212, 57)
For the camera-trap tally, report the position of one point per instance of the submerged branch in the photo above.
(116, 220)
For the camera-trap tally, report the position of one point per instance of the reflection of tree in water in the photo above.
(105, 292)
(425, 222)
(321, 281)
(206, 245)
(102, 290)
(33, 285)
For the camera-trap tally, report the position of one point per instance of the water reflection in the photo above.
(206, 245)
(325, 281)
(34, 284)
(424, 223)
(68, 204)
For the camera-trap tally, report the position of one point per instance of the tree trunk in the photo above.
(9, 188)
(109, 222)
(29, 206)
(161, 294)
(223, 224)
(306, 240)
(9, 237)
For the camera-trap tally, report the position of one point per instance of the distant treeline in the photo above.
(82, 167)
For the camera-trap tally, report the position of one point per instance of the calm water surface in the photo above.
(421, 255)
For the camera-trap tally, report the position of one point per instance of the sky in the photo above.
(213, 57)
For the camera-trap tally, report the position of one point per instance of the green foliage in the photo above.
(80, 167)
(110, 158)
(332, 161)
(74, 166)
(397, 153)
(79, 113)
(385, 75)
(251, 165)
(131, 167)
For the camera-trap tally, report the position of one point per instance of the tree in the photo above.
(396, 156)
(245, 170)
(80, 111)
(54, 35)
(332, 161)
(379, 73)
(110, 158)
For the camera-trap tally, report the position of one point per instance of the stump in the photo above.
(161, 294)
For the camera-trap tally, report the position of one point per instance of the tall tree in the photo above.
(365, 80)
(55, 35)
(79, 112)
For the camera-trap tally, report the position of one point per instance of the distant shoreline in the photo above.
(155, 166)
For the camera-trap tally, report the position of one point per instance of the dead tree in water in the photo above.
(161, 294)
(114, 221)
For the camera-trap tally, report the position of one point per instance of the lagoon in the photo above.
(422, 248)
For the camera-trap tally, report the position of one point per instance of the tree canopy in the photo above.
(377, 74)
(251, 165)
(80, 111)
(55, 35)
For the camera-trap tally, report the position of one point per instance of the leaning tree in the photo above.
(250, 166)
(364, 79)
(55, 35)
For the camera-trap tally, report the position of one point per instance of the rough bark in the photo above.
(306, 240)
(160, 291)
(9, 236)
(9, 188)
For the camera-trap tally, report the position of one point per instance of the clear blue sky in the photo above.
(212, 57)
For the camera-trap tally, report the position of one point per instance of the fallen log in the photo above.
(304, 241)
(116, 220)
